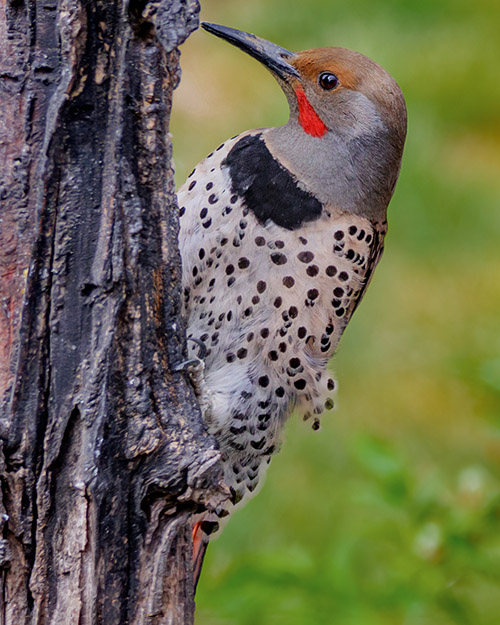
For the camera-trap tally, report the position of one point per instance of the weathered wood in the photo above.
(104, 453)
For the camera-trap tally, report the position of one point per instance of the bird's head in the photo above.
(347, 116)
(329, 89)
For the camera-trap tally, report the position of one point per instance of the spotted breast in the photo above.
(268, 294)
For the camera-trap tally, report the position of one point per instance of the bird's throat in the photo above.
(308, 118)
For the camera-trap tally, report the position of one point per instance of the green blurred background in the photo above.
(390, 514)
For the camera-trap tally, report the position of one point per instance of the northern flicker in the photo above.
(281, 229)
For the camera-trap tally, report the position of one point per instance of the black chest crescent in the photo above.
(268, 189)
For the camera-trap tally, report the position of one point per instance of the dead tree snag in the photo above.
(104, 454)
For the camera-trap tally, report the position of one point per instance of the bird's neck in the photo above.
(351, 173)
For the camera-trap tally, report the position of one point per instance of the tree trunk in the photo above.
(104, 456)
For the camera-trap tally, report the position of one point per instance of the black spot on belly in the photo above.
(268, 189)
(258, 444)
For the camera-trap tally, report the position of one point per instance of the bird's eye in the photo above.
(328, 81)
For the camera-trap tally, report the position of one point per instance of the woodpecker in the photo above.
(280, 232)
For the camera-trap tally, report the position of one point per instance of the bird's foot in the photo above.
(195, 367)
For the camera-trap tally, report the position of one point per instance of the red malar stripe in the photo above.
(308, 118)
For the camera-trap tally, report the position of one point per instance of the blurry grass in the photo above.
(391, 513)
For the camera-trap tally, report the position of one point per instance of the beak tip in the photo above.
(275, 57)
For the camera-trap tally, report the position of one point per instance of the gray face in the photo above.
(362, 92)
(354, 166)
(351, 115)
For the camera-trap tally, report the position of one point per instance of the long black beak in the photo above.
(272, 56)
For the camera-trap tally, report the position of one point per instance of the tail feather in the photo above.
(200, 544)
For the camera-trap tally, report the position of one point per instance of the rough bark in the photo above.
(104, 457)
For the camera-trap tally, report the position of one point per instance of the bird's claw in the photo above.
(201, 346)
(197, 361)
(195, 367)
(189, 365)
